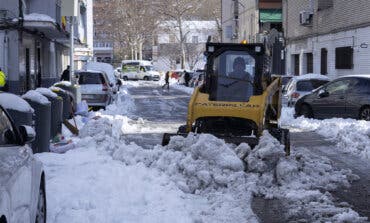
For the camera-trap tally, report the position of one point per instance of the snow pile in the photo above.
(14, 102)
(46, 92)
(352, 136)
(205, 166)
(35, 96)
(123, 105)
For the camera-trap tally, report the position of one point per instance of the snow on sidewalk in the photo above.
(351, 135)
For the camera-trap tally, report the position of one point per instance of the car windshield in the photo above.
(285, 80)
(90, 78)
(148, 68)
(235, 72)
(309, 85)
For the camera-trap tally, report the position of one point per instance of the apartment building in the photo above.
(329, 37)
(34, 41)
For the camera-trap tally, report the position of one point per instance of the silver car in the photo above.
(96, 89)
(22, 180)
(300, 86)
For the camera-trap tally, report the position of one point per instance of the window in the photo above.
(172, 38)
(344, 58)
(296, 64)
(338, 87)
(235, 73)
(309, 85)
(194, 39)
(324, 61)
(324, 4)
(91, 78)
(309, 63)
(362, 86)
(6, 130)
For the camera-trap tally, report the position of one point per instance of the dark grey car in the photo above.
(345, 97)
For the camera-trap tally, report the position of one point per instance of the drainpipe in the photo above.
(236, 20)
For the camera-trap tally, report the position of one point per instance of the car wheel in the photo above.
(41, 206)
(306, 111)
(365, 114)
(125, 78)
(146, 78)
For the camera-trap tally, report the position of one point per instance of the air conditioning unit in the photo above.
(305, 18)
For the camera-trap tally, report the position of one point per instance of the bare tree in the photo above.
(178, 11)
(129, 23)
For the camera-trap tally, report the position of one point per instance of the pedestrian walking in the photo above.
(167, 80)
(65, 75)
(186, 78)
(3, 83)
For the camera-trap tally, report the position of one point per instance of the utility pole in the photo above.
(71, 52)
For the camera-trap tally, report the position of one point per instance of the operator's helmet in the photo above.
(239, 61)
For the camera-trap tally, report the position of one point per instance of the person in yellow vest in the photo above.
(2, 80)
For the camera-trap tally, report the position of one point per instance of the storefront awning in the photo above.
(270, 15)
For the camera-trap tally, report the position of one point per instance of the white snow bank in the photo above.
(14, 102)
(351, 136)
(35, 96)
(38, 17)
(123, 105)
(46, 92)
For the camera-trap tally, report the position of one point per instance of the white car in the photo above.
(300, 86)
(22, 179)
(95, 88)
(108, 69)
(138, 70)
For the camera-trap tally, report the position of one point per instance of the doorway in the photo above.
(324, 61)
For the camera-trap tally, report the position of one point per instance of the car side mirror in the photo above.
(323, 93)
(28, 133)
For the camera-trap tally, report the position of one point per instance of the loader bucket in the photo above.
(251, 141)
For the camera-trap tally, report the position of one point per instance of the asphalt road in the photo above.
(169, 108)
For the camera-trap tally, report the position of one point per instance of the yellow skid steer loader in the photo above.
(239, 99)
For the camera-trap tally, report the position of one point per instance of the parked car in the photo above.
(300, 86)
(114, 82)
(285, 80)
(22, 179)
(95, 88)
(345, 97)
(198, 78)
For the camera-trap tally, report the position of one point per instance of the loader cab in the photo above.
(234, 71)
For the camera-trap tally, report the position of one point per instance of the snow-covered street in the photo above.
(119, 172)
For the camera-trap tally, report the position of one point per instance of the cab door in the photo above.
(15, 171)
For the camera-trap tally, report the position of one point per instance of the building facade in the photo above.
(250, 20)
(34, 42)
(167, 50)
(329, 37)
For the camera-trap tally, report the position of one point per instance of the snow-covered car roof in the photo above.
(98, 66)
(357, 75)
(311, 76)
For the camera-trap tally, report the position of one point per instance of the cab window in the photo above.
(234, 71)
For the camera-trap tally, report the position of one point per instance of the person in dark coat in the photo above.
(65, 75)
(187, 78)
(167, 80)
